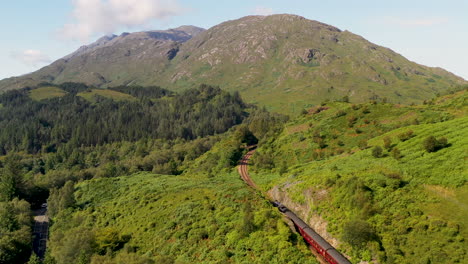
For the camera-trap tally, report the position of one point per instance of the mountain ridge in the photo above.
(280, 61)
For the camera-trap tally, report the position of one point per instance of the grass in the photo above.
(182, 219)
(46, 92)
(449, 204)
(114, 95)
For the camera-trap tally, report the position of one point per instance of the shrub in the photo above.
(357, 233)
(387, 142)
(340, 113)
(442, 142)
(283, 168)
(431, 144)
(377, 152)
(362, 144)
(406, 135)
(351, 121)
(396, 154)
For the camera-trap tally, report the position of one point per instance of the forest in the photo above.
(145, 175)
(42, 126)
(50, 141)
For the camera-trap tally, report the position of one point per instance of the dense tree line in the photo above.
(32, 126)
(15, 215)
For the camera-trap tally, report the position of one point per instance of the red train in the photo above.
(327, 251)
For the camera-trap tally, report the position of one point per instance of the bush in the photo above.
(357, 233)
(362, 144)
(377, 152)
(340, 113)
(387, 143)
(442, 142)
(431, 144)
(406, 135)
(396, 154)
(351, 121)
(365, 110)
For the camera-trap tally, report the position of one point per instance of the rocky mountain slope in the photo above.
(285, 62)
(112, 60)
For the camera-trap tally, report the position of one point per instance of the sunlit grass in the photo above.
(114, 95)
(46, 92)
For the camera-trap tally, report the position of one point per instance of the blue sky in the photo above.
(35, 33)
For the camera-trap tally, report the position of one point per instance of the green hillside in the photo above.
(174, 220)
(46, 92)
(114, 95)
(152, 179)
(411, 200)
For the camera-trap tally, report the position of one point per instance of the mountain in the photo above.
(285, 62)
(112, 60)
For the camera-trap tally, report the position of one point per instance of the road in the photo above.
(40, 232)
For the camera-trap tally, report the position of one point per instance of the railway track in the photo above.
(243, 169)
(324, 252)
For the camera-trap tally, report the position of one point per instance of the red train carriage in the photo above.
(326, 250)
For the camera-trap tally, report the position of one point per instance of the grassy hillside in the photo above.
(114, 95)
(173, 220)
(410, 204)
(205, 215)
(49, 92)
(384, 183)
(46, 92)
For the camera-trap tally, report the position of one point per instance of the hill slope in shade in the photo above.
(285, 62)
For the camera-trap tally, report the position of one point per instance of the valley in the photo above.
(161, 146)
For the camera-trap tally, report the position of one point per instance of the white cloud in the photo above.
(92, 17)
(416, 22)
(263, 11)
(31, 57)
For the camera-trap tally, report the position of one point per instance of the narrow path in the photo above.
(40, 232)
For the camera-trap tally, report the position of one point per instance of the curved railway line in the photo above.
(319, 245)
